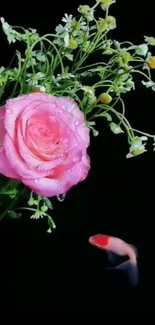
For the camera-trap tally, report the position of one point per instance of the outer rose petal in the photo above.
(69, 105)
(5, 167)
(2, 128)
(51, 187)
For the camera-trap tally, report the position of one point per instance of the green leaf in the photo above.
(14, 215)
(48, 203)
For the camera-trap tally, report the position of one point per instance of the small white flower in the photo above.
(150, 40)
(6, 27)
(42, 88)
(116, 129)
(142, 49)
(66, 39)
(40, 75)
(67, 19)
(40, 57)
(148, 84)
(105, 4)
(65, 75)
(1, 69)
(33, 31)
(137, 147)
(59, 29)
(88, 90)
(49, 230)
(69, 56)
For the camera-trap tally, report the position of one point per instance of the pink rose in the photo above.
(43, 143)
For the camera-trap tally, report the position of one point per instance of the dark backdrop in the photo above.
(61, 273)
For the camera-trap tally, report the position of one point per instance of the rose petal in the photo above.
(51, 187)
(2, 128)
(67, 120)
(5, 168)
(69, 105)
(13, 111)
(76, 174)
(45, 186)
(18, 164)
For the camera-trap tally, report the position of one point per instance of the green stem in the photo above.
(12, 204)
(144, 133)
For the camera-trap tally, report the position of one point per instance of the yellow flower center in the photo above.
(73, 44)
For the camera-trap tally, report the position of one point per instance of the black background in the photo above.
(55, 275)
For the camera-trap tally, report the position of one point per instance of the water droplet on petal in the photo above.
(61, 197)
(77, 123)
(8, 111)
(76, 159)
(36, 180)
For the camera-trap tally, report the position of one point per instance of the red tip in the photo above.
(100, 240)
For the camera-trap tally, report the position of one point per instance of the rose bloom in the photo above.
(43, 142)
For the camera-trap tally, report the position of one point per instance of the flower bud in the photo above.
(151, 62)
(127, 57)
(111, 21)
(150, 40)
(139, 151)
(36, 90)
(84, 9)
(105, 98)
(105, 4)
(116, 129)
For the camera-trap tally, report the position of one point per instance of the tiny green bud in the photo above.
(102, 23)
(139, 151)
(31, 202)
(115, 128)
(105, 98)
(105, 4)
(142, 49)
(127, 57)
(44, 208)
(111, 21)
(84, 9)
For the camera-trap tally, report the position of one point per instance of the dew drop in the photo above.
(36, 180)
(8, 111)
(76, 159)
(77, 123)
(61, 197)
(69, 109)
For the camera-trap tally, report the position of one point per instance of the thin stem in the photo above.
(144, 133)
